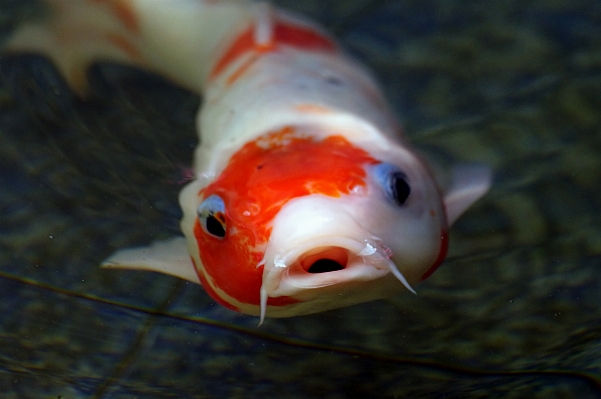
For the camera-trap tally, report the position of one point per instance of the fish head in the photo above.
(296, 224)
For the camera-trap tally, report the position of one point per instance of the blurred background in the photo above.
(513, 312)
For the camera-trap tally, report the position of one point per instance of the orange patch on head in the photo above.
(209, 290)
(261, 178)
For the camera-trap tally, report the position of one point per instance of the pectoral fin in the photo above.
(469, 183)
(167, 256)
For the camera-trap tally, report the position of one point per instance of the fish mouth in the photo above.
(342, 262)
(329, 265)
(324, 260)
(320, 264)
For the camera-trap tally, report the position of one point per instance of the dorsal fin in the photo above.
(264, 24)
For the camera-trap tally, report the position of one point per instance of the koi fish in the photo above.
(306, 196)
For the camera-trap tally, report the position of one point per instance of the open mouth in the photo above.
(310, 267)
(348, 261)
(324, 260)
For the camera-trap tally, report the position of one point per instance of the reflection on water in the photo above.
(513, 312)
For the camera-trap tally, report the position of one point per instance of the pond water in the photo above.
(513, 312)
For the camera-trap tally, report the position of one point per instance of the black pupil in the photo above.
(215, 227)
(400, 188)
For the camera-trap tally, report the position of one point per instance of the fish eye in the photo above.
(399, 187)
(211, 215)
(394, 182)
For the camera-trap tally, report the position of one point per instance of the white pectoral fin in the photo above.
(169, 257)
(469, 183)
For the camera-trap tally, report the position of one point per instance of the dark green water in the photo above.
(515, 311)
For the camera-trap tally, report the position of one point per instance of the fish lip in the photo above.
(284, 275)
(365, 260)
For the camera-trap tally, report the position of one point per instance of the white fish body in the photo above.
(306, 196)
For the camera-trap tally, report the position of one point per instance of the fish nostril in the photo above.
(324, 266)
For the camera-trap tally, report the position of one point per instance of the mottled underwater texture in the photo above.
(514, 311)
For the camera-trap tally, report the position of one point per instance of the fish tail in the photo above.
(176, 38)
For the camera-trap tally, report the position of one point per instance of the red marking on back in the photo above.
(124, 11)
(261, 178)
(300, 37)
(243, 43)
(313, 109)
(444, 247)
(241, 69)
(123, 44)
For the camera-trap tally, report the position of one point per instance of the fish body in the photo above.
(306, 196)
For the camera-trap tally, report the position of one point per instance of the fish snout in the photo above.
(320, 255)
(316, 242)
